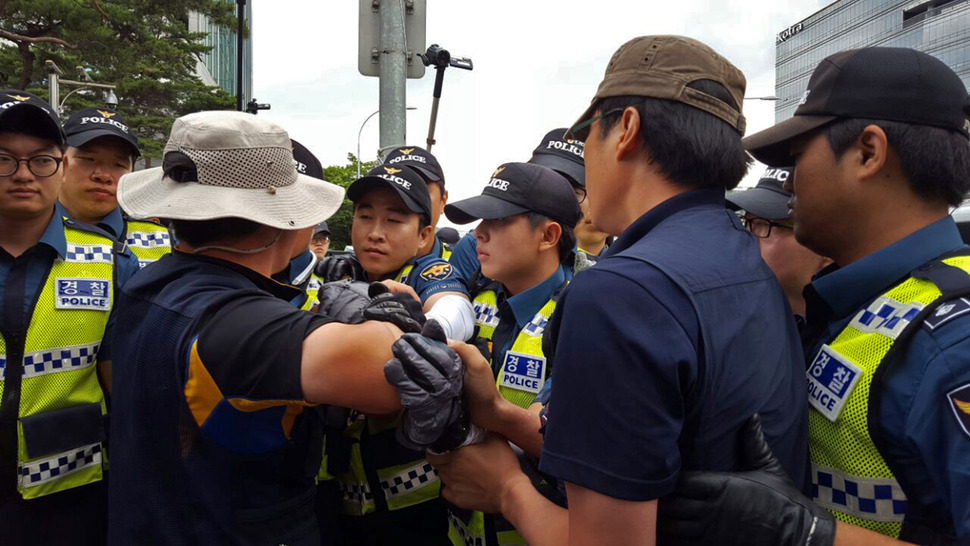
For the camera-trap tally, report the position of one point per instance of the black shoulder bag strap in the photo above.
(923, 524)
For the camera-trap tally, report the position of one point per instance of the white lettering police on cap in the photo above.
(396, 179)
(780, 175)
(105, 119)
(496, 182)
(804, 97)
(406, 157)
(571, 146)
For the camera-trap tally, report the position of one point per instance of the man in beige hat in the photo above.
(663, 350)
(213, 441)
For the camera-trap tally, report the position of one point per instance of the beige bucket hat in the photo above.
(229, 164)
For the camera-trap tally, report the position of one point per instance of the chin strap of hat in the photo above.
(279, 233)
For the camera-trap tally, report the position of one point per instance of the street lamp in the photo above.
(54, 82)
(362, 130)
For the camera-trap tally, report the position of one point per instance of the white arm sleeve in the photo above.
(455, 315)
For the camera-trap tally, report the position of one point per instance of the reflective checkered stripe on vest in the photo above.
(312, 289)
(445, 253)
(849, 476)
(404, 275)
(148, 241)
(59, 372)
(412, 482)
(527, 344)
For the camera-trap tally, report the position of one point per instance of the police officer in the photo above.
(57, 290)
(880, 147)
(428, 168)
(556, 152)
(213, 439)
(102, 148)
(650, 379)
(527, 213)
(765, 213)
(320, 242)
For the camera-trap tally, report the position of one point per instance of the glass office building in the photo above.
(218, 66)
(938, 27)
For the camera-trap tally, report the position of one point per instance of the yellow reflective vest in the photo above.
(148, 241)
(522, 373)
(850, 477)
(59, 388)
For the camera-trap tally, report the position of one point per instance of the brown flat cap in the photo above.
(661, 67)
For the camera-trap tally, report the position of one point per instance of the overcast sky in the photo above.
(537, 65)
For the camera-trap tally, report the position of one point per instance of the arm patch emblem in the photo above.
(437, 271)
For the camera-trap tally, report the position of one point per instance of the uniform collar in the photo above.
(659, 213)
(526, 304)
(277, 289)
(436, 248)
(113, 223)
(845, 289)
(53, 235)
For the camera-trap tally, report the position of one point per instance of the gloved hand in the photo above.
(339, 268)
(344, 301)
(428, 376)
(756, 506)
(401, 310)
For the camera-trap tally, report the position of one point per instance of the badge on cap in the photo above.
(960, 404)
(91, 294)
(522, 372)
(831, 378)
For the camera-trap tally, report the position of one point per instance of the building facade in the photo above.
(218, 66)
(938, 27)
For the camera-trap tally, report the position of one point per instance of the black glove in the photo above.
(344, 301)
(756, 506)
(401, 310)
(339, 268)
(428, 376)
(481, 344)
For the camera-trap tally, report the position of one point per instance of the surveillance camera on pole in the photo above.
(441, 59)
(254, 107)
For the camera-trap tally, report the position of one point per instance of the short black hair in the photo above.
(206, 232)
(693, 148)
(567, 241)
(935, 161)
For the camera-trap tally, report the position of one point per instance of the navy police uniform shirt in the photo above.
(925, 413)
(432, 275)
(464, 257)
(665, 348)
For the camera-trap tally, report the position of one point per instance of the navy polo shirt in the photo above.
(525, 305)
(464, 257)
(38, 260)
(665, 348)
(927, 432)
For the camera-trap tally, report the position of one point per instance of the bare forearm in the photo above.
(538, 520)
(520, 426)
(850, 535)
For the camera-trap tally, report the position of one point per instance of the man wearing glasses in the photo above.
(766, 216)
(57, 290)
(664, 349)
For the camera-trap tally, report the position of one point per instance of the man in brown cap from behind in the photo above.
(685, 331)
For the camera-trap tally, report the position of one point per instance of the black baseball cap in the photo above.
(406, 182)
(322, 227)
(882, 83)
(305, 162)
(88, 124)
(448, 235)
(517, 188)
(23, 112)
(563, 155)
(768, 199)
(418, 159)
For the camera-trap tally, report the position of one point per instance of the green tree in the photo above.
(343, 176)
(143, 47)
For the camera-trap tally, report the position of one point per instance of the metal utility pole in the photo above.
(240, 23)
(393, 73)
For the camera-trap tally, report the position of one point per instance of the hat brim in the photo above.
(481, 207)
(363, 185)
(586, 115)
(45, 126)
(573, 170)
(761, 202)
(80, 139)
(773, 145)
(304, 203)
(426, 172)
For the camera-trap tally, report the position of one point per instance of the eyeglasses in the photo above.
(580, 131)
(40, 166)
(761, 228)
(580, 193)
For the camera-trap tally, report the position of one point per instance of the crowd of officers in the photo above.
(184, 363)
